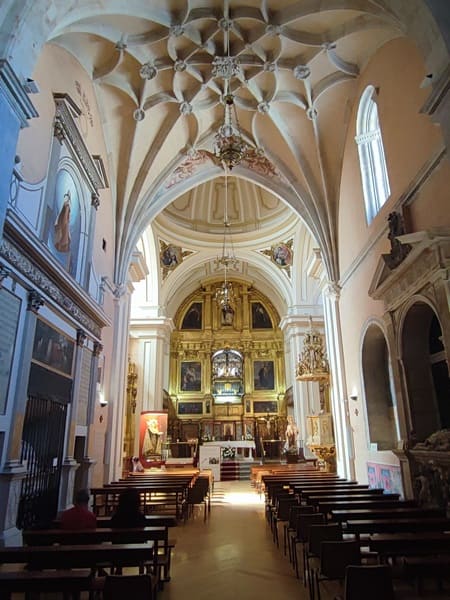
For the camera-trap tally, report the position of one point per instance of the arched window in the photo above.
(372, 161)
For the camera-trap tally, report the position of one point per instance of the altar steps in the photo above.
(235, 470)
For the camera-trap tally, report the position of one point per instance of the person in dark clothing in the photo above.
(128, 513)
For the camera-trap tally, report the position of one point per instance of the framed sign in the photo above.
(53, 349)
(191, 376)
(263, 375)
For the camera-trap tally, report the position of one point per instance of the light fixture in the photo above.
(229, 146)
(225, 294)
(312, 362)
(101, 399)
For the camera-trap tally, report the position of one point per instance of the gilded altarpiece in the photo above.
(236, 362)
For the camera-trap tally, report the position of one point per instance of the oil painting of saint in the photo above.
(282, 255)
(191, 379)
(152, 436)
(170, 257)
(260, 317)
(193, 317)
(263, 375)
(64, 228)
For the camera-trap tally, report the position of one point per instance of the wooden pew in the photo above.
(47, 537)
(69, 583)
(370, 526)
(151, 521)
(408, 543)
(380, 502)
(168, 496)
(158, 536)
(79, 556)
(415, 512)
(315, 500)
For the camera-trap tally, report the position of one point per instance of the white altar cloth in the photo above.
(244, 448)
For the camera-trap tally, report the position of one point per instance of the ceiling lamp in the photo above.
(225, 294)
(229, 146)
(312, 362)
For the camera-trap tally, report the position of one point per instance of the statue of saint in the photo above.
(291, 435)
(153, 439)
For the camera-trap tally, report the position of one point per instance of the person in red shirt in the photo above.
(79, 516)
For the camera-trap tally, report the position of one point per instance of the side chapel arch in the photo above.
(425, 368)
(378, 389)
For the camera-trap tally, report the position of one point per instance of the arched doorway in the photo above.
(426, 371)
(380, 404)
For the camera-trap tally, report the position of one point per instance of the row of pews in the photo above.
(330, 526)
(70, 562)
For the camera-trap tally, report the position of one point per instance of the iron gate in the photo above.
(42, 449)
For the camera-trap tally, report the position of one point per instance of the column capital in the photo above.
(332, 290)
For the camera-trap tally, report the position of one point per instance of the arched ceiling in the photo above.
(257, 221)
(296, 69)
(252, 211)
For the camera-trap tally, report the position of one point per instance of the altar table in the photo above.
(244, 449)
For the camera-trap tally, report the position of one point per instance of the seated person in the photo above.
(79, 516)
(128, 512)
(137, 465)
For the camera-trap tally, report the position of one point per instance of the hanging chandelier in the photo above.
(312, 362)
(229, 145)
(225, 294)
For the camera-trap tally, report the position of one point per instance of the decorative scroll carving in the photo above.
(312, 362)
(81, 337)
(14, 256)
(35, 301)
(4, 273)
(95, 200)
(98, 349)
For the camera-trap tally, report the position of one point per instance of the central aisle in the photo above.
(232, 555)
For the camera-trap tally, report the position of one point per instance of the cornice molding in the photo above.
(15, 94)
(35, 264)
(66, 129)
(428, 261)
(439, 91)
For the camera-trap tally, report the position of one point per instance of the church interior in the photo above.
(224, 243)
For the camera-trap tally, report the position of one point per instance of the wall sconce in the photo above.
(102, 400)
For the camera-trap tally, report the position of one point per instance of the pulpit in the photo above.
(320, 439)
